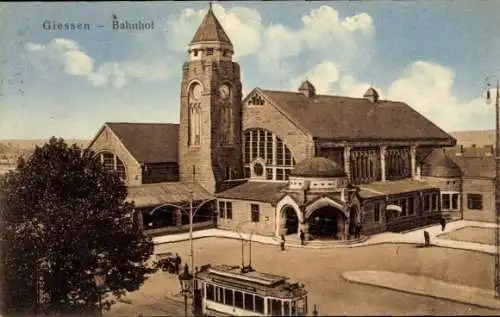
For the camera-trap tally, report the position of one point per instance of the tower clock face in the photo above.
(195, 93)
(224, 92)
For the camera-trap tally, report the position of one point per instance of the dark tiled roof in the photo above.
(254, 191)
(438, 164)
(343, 118)
(149, 142)
(170, 192)
(317, 167)
(210, 29)
(476, 167)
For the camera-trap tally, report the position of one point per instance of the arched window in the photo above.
(226, 128)
(267, 154)
(112, 163)
(194, 114)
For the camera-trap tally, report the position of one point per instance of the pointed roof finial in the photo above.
(210, 30)
(209, 5)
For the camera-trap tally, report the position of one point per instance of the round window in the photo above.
(258, 169)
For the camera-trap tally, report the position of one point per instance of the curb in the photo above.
(366, 243)
(419, 294)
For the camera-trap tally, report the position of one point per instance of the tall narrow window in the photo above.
(265, 145)
(113, 163)
(255, 213)
(226, 115)
(194, 114)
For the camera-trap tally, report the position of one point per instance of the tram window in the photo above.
(238, 299)
(228, 293)
(210, 292)
(259, 304)
(219, 292)
(286, 308)
(276, 307)
(248, 301)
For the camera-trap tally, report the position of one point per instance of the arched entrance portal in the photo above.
(326, 223)
(291, 220)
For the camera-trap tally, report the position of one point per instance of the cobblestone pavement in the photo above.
(321, 271)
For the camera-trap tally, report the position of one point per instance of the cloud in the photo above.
(322, 76)
(242, 25)
(67, 56)
(324, 33)
(427, 87)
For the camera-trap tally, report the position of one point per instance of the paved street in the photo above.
(321, 271)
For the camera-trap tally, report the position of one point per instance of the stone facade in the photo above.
(268, 117)
(241, 218)
(485, 188)
(107, 141)
(211, 159)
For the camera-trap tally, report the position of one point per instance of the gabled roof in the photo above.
(149, 142)
(438, 164)
(344, 118)
(210, 30)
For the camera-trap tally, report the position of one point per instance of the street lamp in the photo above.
(186, 279)
(488, 81)
(100, 281)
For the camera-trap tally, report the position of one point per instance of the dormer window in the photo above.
(210, 51)
(195, 53)
(224, 53)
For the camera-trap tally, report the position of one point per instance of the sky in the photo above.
(433, 55)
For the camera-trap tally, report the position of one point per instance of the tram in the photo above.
(225, 290)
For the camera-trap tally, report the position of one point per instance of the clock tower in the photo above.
(210, 114)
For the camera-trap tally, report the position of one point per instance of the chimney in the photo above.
(460, 150)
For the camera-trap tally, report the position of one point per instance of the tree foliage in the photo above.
(64, 217)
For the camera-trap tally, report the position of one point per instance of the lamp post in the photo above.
(100, 281)
(186, 279)
(488, 81)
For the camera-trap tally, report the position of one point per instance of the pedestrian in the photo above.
(302, 238)
(426, 238)
(282, 243)
(443, 223)
(358, 231)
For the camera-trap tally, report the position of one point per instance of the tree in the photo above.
(64, 217)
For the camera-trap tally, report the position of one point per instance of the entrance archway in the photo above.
(326, 223)
(291, 220)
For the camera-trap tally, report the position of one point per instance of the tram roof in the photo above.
(252, 281)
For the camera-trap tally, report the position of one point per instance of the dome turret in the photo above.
(307, 88)
(371, 94)
(317, 167)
